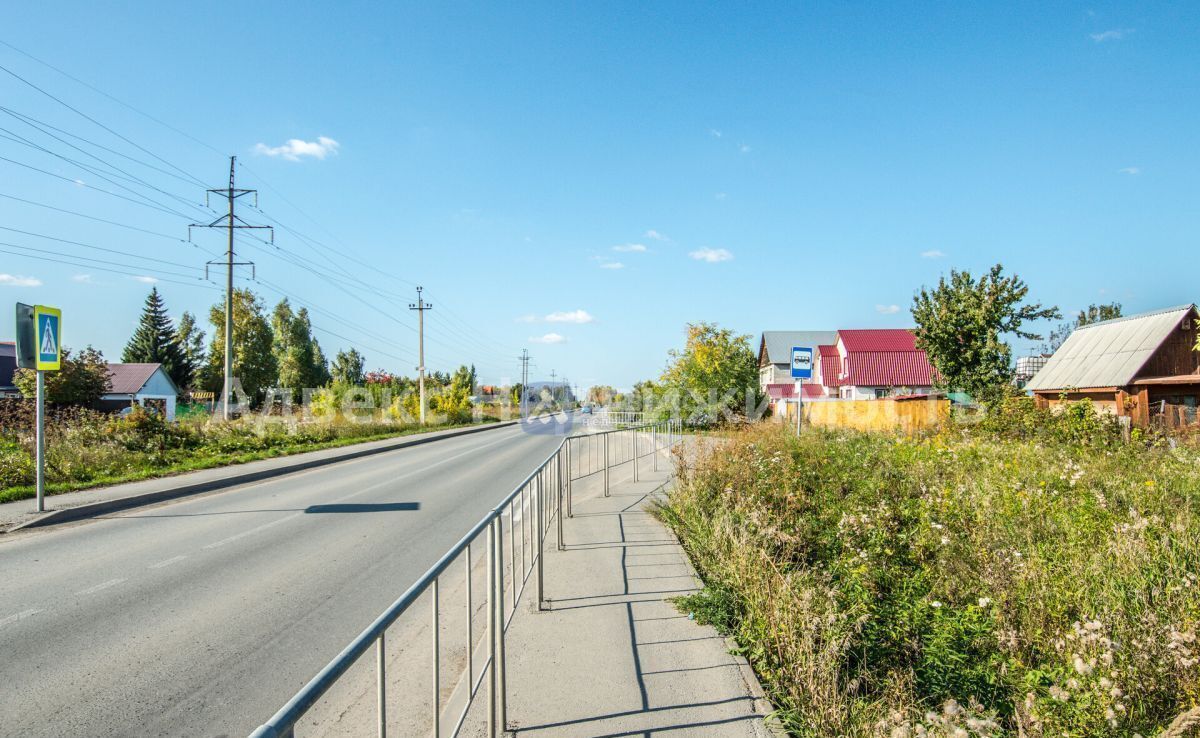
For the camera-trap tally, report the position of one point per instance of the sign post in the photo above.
(39, 347)
(802, 362)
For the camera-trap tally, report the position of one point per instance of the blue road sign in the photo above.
(802, 362)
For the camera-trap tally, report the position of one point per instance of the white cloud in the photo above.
(548, 338)
(932, 254)
(712, 256)
(1129, 170)
(744, 148)
(715, 133)
(636, 248)
(1115, 34)
(296, 148)
(612, 265)
(82, 278)
(13, 280)
(571, 316)
(656, 235)
(887, 309)
(144, 279)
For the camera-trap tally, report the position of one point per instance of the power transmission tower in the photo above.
(421, 307)
(231, 222)
(553, 387)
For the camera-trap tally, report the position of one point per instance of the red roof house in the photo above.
(879, 362)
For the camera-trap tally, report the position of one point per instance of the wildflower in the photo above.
(985, 601)
(935, 603)
(1081, 666)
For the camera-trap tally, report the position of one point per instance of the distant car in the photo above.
(587, 410)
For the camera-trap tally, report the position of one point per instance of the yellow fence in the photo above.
(887, 415)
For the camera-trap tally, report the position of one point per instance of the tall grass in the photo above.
(85, 448)
(961, 585)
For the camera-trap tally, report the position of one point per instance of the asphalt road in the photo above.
(202, 617)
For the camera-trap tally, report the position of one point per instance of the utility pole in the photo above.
(553, 387)
(232, 223)
(421, 307)
(524, 357)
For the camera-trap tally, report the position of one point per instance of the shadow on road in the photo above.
(365, 508)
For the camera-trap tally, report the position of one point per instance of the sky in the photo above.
(583, 180)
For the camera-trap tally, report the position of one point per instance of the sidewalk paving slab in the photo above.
(612, 655)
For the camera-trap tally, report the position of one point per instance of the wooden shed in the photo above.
(1144, 367)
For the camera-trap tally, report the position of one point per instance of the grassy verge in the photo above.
(115, 451)
(961, 585)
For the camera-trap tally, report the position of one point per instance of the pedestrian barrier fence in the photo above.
(524, 517)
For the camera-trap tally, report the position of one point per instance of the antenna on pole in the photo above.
(232, 223)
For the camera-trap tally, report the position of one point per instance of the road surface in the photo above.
(203, 617)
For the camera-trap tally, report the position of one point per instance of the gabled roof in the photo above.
(831, 365)
(878, 339)
(1109, 353)
(884, 357)
(129, 379)
(777, 345)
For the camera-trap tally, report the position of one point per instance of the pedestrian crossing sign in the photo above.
(47, 323)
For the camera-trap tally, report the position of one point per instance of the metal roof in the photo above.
(129, 379)
(778, 344)
(1109, 353)
(878, 339)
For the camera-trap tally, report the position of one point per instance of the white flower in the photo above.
(935, 603)
(985, 601)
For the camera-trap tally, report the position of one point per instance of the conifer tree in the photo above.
(155, 341)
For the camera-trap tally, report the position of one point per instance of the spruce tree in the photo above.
(155, 341)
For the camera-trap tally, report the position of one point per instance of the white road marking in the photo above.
(252, 531)
(167, 562)
(102, 585)
(19, 616)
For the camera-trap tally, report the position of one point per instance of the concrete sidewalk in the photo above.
(612, 656)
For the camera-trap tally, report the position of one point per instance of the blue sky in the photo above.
(786, 166)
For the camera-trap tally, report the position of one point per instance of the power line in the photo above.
(198, 283)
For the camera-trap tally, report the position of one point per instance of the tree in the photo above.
(348, 367)
(155, 341)
(81, 380)
(253, 362)
(959, 325)
(715, 376)
(1093, 314)
(601, 394)
(301, 362)
(191, 341)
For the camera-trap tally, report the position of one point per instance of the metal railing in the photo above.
(531, 509)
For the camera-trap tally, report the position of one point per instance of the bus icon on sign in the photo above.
(802, 362)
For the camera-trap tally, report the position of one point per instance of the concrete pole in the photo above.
(227, 390)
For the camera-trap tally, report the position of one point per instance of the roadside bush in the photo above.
(975, 585)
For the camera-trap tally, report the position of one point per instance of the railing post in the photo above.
(380, 688)
(558, 499)
(570, 485)
(491, 616)
(437, 667)
(502, 685)
(635, 452)
(654, 444)
(536, 544)
(470, 639)
(606, 435)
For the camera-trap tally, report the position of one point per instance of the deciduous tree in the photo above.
(715, 376)
(253, 361)
(348, 367)
(81, 380)
(960, 325)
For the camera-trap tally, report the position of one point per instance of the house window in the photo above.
(880, 393)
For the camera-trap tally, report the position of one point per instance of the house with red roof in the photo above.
(8, 367)
(140, 384)
(874, 363)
